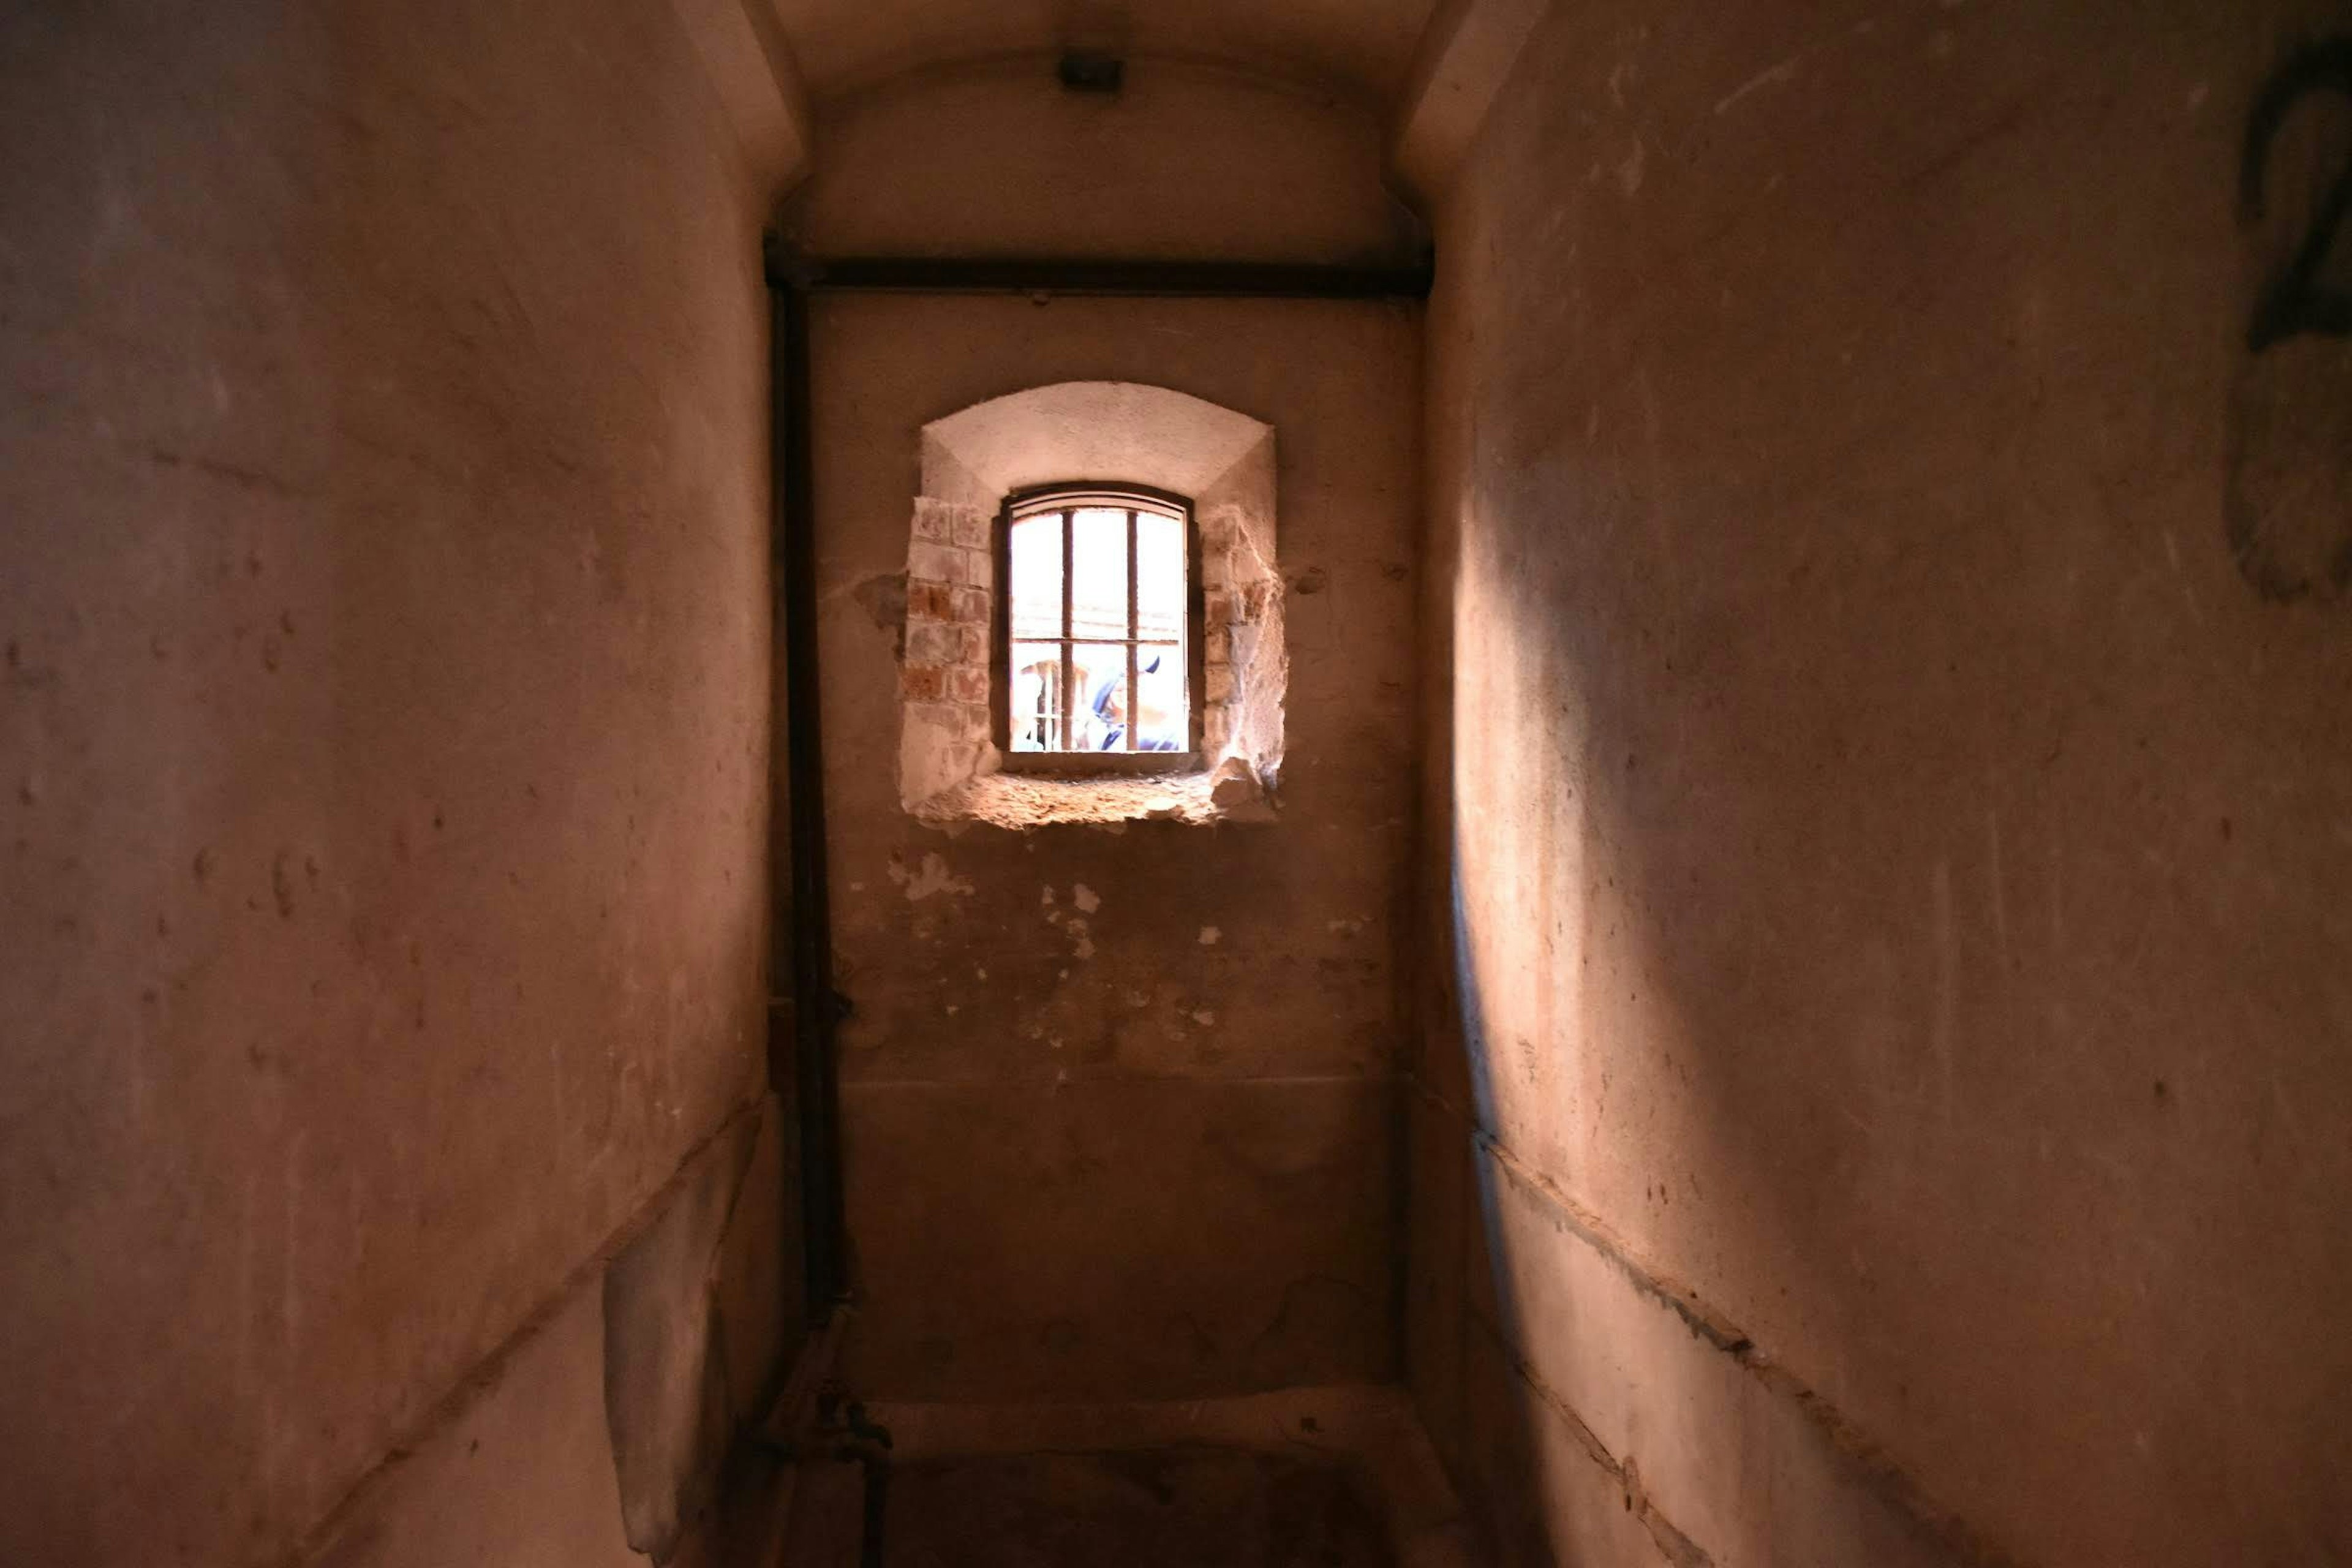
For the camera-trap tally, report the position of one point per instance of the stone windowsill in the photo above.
(1023, 801)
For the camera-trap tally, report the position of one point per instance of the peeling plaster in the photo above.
(931, 877)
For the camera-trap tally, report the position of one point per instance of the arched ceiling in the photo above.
(1429, 67)
(1366, 45)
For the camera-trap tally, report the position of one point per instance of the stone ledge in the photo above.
(1023, 801)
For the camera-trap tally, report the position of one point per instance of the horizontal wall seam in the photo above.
(1236, 1080)
(1097, 276)
(1896, 1485)
(485, 1373)
(1680, 1550)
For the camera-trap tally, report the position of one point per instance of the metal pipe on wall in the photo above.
(1159, 280)
(802, 941)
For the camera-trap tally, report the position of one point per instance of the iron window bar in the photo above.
(1065, 758)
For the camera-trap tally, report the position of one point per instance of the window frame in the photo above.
(1066, 496)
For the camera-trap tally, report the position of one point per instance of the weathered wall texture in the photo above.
(1891, 865)
(382, 421)
(586, 1439)
(1222, 462)
(1188, 162)
(1119, 1106)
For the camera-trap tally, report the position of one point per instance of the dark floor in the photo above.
(1163, 1507)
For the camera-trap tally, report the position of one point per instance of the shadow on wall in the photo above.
(1894, 857)
(1604, 1410)
(1605, 1414)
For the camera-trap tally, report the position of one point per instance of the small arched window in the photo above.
(1099, 631)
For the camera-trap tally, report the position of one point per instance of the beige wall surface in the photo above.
(1118, 1105)
(1888, 848)
(1138, 1141)
(1187, 161)
(382, 434)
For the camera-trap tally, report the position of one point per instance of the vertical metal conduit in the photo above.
(802, 939)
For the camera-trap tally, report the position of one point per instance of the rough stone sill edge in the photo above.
(1024, 801)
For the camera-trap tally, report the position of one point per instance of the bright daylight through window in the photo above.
(1097, 632)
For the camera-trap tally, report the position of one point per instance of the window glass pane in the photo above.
(1035, 720)
(1098, 574)
(1159, 577)
(1036, 573)
(1099, 714)
(1160, 718)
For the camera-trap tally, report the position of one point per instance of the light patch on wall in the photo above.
(1074, 926)
(1223, 461)
(1210, 936)
(1086, 899)
(931, 877)
(1629, 171)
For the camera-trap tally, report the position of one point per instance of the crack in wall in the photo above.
(1873, 1466)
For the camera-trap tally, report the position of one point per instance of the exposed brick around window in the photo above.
(923, 682)
(928, 602)
(934, 523)
(1216, 607)
(934, 642)
(1213, 643)
(970, 605)
(966, 721)
(944, 564)
(975, 645)
(1220, 678)
(972, 530)
(968, 683)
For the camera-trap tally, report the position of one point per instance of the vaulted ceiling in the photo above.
(1366, 45)
(1426, 68)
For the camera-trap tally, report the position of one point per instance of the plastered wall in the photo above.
(993, 158)
(1881, 1077)
(1119, 1107)
(382, 432)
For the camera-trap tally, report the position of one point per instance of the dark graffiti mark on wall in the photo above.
(2296, 300)
(2288, 506)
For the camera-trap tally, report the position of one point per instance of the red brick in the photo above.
(942, 562)
(967, 683)
(928, 602)
(934, 642)
(969, 604)
(922, 682)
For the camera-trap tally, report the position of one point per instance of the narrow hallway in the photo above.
(1414, 784)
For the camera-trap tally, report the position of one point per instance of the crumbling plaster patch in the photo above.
(930, 877)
